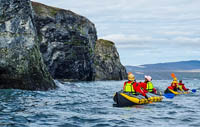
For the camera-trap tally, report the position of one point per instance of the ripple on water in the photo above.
(90, 104)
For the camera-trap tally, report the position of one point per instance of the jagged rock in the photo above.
(21, 65)
(107, 62)
(67, 42)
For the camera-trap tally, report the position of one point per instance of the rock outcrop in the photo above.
(107, 62)
(21, 64)
(67, 42)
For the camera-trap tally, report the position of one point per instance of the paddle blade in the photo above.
(194, 90)
(173, 75)
(169, 95)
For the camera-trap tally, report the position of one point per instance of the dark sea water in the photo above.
(90, 104)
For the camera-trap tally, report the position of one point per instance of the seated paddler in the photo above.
(132, 86)
(173, 88)
(182, 86)
(148, 86)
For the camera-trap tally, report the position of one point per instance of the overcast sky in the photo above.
(144, 31)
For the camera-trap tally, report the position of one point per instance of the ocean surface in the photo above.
(90, 104)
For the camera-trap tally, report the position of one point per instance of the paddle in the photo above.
(173, 75)
(169, 95)
(194, 90)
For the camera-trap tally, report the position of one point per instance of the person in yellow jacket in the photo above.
(132, 86)
(175, 84)
(178, 86)
(174, 87)
(182, 86)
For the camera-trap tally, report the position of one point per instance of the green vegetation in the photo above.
(73, 54)
(91, 51)
(67, 43)
(75, 43)
(105, 42)
(106, 57)
(13, 34)
(80, 28)
(44, 9)
(53, 12)
(4, 51)
(40, 37)
(96, 63)
(37, 8)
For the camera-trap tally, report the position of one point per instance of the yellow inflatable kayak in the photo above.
(128, 99)
(177, 92)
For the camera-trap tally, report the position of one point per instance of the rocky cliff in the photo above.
(67, 42)
(107, 62)
(68, 45)
(21, 65)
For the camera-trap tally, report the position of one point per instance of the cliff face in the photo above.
(68, 45)
(21, 65)
(67, 42)
(107, 62)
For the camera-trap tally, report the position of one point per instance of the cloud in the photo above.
(155, 44)
(187, 40)
(178, 33)
(127, 38)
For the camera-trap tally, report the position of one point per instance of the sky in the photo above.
(144, 31)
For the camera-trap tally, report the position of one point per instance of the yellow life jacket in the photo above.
(180, 87)
(129, 87)
(150, 86)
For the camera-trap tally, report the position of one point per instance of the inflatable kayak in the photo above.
(175, 92)
(122, 99)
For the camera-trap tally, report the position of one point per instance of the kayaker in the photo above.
(148, 85)
(182, 86)
(174, 84)
(171, 89)
(179, 86)
(132, 86)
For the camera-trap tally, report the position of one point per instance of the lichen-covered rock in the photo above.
(21, 65)
(66, 41)
(107, 62)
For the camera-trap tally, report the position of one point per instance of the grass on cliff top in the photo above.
(41, 9)
(105, 42)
